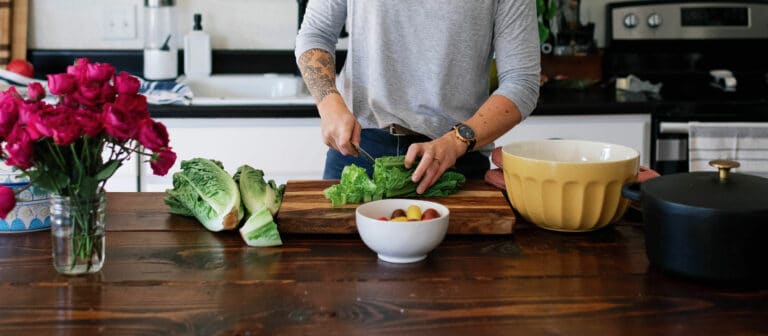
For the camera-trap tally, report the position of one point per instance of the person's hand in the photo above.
(340, 129)
(436, 157)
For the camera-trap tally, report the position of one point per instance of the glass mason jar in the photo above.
(77, 233)
(160, 40)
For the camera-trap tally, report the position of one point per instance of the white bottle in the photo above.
(197, 51)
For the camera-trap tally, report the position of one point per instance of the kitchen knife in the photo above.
(365, 154)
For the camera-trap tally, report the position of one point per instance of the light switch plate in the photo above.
(119, 22)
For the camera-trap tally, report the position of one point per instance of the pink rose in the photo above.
(38, 124)
(7, 201)
(90, 121)
(134, 104)
(119, 123)
(152, 134)
(35, 91)
(89, 94)
(162, 161)
(99, 72)
(79, 69)
(67, 129)
(58, 122)
(62, 84)
(28, 109)
(11, 91)
(9, 113)
(108, 92)
(69, 100)
(126, 84)
(20, 148)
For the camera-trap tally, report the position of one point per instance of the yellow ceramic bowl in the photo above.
(568, 185)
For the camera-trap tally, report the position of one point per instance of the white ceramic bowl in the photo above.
(400, 242)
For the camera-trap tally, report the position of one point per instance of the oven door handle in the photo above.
(673, 128)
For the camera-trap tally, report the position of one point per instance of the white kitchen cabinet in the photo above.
(291, 148)
(126, 177)
(284, 148)
(632, 130)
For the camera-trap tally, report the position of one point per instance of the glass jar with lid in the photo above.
(160, 40)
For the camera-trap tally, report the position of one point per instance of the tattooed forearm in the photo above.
(318, 69)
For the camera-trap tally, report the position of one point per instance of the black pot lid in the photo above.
(734, 192)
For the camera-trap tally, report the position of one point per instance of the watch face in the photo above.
(466, 132)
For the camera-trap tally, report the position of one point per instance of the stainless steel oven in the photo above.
(707, 56)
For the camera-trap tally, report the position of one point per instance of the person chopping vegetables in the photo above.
(416, 80)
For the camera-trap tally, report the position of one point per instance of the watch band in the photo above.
(465, 134)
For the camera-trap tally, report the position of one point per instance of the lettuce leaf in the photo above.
(354, 187)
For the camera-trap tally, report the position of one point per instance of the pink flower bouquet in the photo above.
(72, 147)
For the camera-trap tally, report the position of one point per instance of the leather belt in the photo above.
(398, 130)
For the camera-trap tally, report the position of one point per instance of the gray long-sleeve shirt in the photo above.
(425, 64)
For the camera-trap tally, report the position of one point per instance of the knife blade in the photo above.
(365, 153)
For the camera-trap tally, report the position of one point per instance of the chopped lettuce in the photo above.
(262, 201)
(207, 192)
(390, 179)
(260, 229)
(354, 187)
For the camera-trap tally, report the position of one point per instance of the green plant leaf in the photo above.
(88, 186)
(553, 9)
(42, 180)
(61, 181)
(108, 170)
(543, 32)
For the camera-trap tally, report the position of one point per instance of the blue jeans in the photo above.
(378, 142)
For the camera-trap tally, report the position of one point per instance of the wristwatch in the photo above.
(466, 134)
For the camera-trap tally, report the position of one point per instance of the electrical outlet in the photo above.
(119, 22)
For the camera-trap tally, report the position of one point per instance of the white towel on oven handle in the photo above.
(745, 142)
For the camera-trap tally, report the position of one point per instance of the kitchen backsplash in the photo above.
(233, 24)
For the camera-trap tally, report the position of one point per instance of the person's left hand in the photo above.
(436, 157)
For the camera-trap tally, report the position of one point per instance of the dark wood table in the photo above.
(167, 275)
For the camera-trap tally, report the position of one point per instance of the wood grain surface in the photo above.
(20, 29)
(166, 275)
(477, 209)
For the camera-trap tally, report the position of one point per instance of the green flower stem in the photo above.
(77, 163)
(58, 159)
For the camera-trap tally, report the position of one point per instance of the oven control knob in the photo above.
(630, 20)
(654, 20)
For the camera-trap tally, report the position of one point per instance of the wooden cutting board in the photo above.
(477, 209)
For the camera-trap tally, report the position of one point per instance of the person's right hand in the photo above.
(340, 129)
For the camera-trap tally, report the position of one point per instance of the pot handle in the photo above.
(631, 190)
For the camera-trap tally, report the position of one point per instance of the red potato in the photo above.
(397, 213)
(430, 214)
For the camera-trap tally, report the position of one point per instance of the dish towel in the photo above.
(12, 78)
(166, 92)
(746, 143)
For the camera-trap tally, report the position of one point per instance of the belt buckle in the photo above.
(393, 130)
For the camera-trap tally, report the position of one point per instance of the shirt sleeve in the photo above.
(518, 60)
(321, 26)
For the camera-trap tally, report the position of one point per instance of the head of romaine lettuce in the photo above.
(256, 193)
(207, 192)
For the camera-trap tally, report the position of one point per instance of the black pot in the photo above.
(706, 225)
